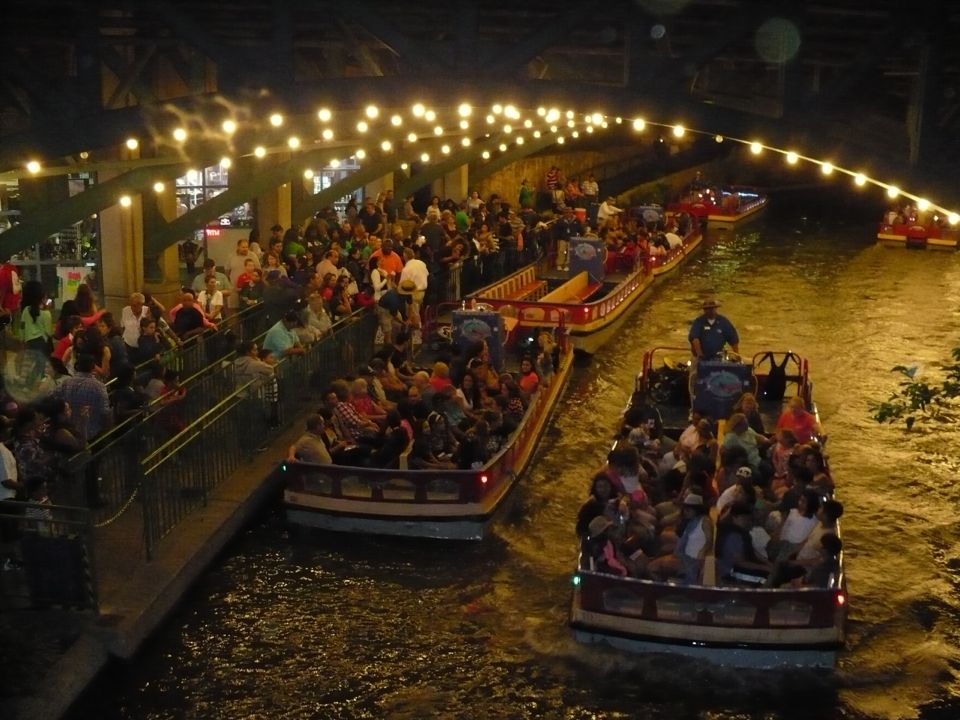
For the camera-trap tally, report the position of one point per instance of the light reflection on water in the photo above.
(368, 628)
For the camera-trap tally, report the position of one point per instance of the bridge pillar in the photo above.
(121, 250)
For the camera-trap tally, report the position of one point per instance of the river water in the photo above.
(354, 627)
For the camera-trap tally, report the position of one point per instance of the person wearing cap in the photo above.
(281, 339)
(600, 546)
(607, 210)
(710, 332)
(741, 491)
(210, 268)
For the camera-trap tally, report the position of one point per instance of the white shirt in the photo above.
(416, 270)
(674, 240)
(131, 324)
(607, 211)
(8, 466)
(797, 528)
(238, 262)
(695, 540)
(216, 302)
(590, 187)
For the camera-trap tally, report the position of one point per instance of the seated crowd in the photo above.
(762, 504)
(458, 413)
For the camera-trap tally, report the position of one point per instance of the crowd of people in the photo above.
(760, 502)
(456, 413)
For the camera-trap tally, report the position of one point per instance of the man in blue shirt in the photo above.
(281, 339)
(710, 332)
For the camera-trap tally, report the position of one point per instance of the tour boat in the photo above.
(444, 504)
(721, 206)
(590, 298)
(922, 235)
(744, 625)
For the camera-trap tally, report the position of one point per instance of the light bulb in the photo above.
(372, 111)
(260, 151)
(229, 126)
(639, 124)
(132, 143)
(324, 115)
(276, 119)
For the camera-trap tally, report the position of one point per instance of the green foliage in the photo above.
(917, 401)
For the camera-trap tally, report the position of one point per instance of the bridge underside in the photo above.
(872, 85)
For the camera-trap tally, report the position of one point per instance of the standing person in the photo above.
(392, 310)
(415, 270)
(390, 262)
(607, 210)
(130, 318)
(190, 250)
(525, 195)
(10, 289)
(237, 264)
(590, 189)
(710, 332)
(36, 329)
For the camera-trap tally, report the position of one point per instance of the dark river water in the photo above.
(354, 627)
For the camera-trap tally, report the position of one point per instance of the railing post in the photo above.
(151, 521)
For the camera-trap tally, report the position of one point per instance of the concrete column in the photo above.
(274, 206)
(121, 249)
(378, 186)
(162, 276)
(455, 184)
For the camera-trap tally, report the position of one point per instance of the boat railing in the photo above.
(731, 606)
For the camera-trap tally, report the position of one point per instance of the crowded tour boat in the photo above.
(589, 283)
(712, 530)
(906, 226)
(463, 426)
(717, 205)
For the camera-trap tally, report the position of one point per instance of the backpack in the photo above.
(775, 384)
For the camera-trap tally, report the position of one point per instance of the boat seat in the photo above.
(586, 292)
(526, 290)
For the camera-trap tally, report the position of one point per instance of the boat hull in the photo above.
(444, 505)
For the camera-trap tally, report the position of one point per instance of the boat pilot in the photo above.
(710, 332)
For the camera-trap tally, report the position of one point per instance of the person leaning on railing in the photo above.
(281, 339)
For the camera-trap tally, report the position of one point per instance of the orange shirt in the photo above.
(391, 264)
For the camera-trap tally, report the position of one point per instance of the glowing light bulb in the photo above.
(571, 123)
(465, 141)
(335, 163)
(396, 120)
(225, 163)
(860, 179)
(678, 130)
(464, 124)
(429, 116)
(560, 140)
(536, 133)
(324, 114)
(497, 109)
(84, 155)
(159, 187)
(418, 110)
(308, 174)
(604, 124)
(619, 120)
(464, 110)
(756, 148)
(360, 154)
(718, 138)
(132, 143)
(575, 134)
(923, 204)
(33, 167)
(541, 111)
(362, 127)
(445, 149)
(589, 129)
(386, 146)
(126, 201)
(404, 166)
(260, 151)
(893, 191)
(372, 111)
(425, 157)
(519, 140)
(826, 168)
(276, 119)
(327, 134)
(293, 142)
(229, 126)
(503, 147)
(485, 154)
(412, 137)
(438, 130)
(792, 157)
(596, 118)
(569, 114)
(491, 119)
(953, 218)
(552, 115)
(553, 128)
(639, 124)
(507, 129)
(179, 134)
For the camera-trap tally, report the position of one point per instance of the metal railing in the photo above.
(52, 557)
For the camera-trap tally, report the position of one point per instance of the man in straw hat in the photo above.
(710, 332)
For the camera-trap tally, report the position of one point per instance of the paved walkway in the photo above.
(48, 657)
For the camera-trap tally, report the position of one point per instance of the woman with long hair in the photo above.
(87, 305)
(36, 329)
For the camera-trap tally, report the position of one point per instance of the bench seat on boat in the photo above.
(576, 289)
(524, 291)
